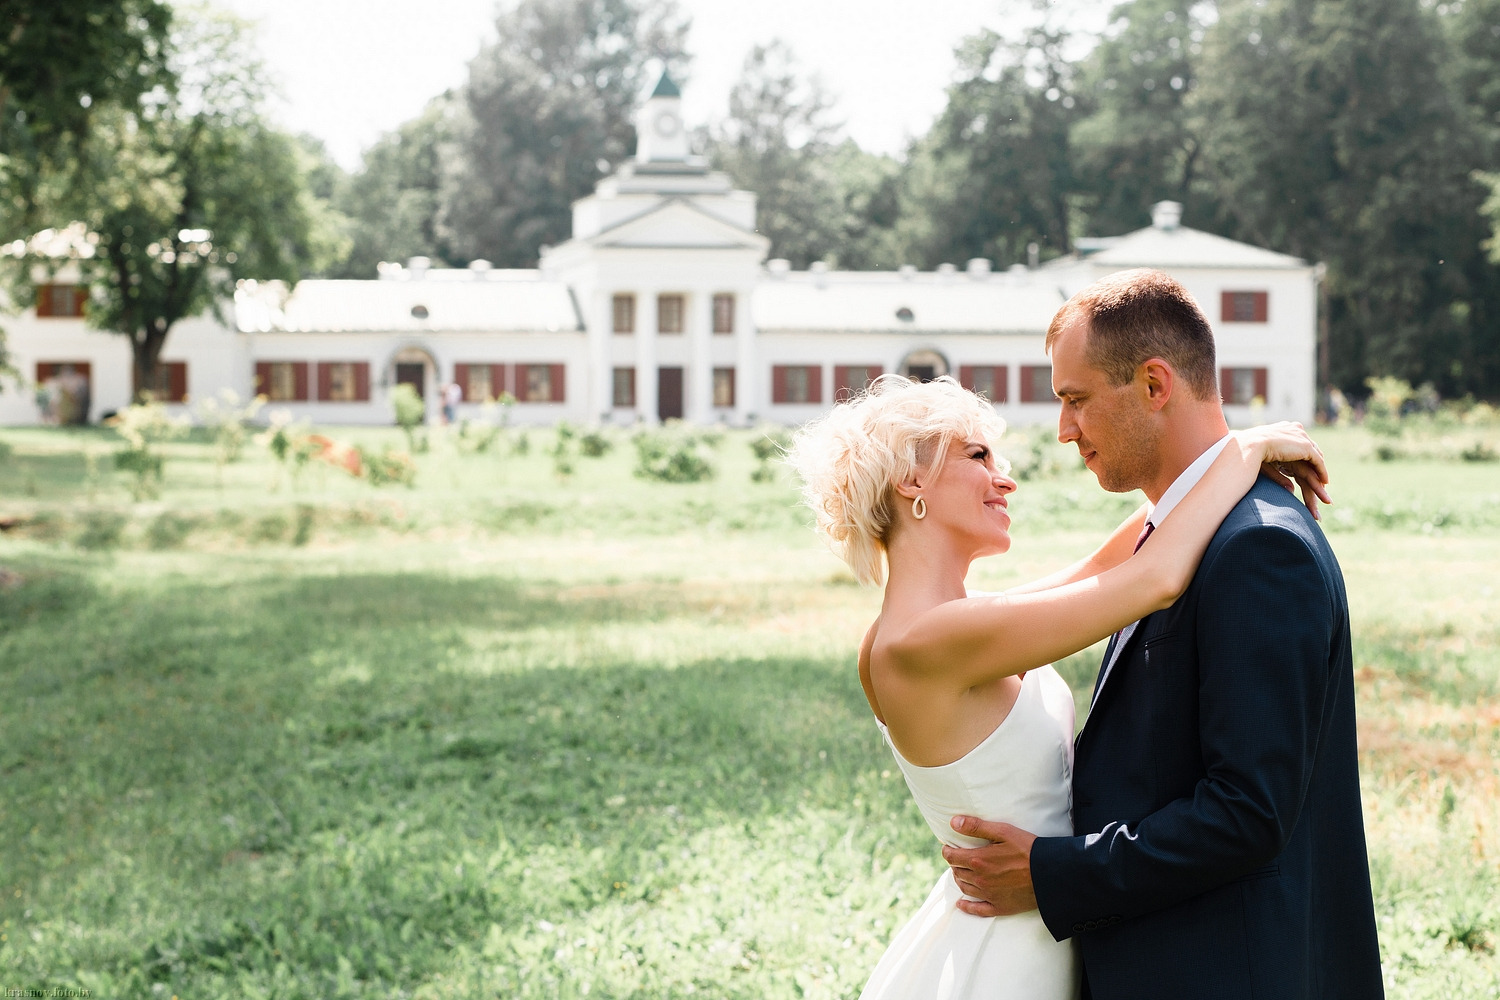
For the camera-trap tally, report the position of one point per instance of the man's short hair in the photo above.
(1137, 315)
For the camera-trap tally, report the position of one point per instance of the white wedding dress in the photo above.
(1021, 773)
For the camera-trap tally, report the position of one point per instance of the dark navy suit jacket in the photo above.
(1219, 847)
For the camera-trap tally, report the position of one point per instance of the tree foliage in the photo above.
(183, 192)
(546, 111)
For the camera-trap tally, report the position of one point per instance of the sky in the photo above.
(349, 70)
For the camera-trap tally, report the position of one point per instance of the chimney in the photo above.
(907, 271)
(1033, 256)
(819, 271)
(778, 267)
(480, 268)
(978, 268)
(1166, 215)
(417, 267)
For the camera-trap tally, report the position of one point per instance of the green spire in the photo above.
(665, 87)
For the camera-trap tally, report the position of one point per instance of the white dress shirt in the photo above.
(1180, 488)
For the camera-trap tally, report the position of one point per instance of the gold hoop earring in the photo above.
(919, 508)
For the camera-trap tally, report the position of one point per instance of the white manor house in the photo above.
(663, 305)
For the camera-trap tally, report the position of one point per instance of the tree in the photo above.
(1139, 143)
(995, 174)
(1333, 132)
(60, 63)
(185, 192)
(546, 110)
(392, 204)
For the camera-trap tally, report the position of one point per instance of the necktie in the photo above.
(1119, 640)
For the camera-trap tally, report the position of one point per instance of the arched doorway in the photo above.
(924, 365)
(414, 366)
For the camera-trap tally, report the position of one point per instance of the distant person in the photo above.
(904, 478)
(72, 397)
(453, 394)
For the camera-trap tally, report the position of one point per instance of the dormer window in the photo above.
(60, 301)
(1243, 307)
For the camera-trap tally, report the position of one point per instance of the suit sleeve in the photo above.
(1265, 624)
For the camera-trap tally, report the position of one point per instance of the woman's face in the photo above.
(968, 498)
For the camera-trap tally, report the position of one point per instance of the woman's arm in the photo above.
(971, 641)
(1115, 550)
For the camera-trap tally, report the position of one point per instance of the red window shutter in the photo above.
(1226, 384)
(461, 376)
(815, 383)
(1002, 384)
(842, 390)
(263, 378)
(44, 371)
(362, 381)
(778, 383)
(299, 376)
(1260, 383)
(555, 376)
(1226, 306)
(83, 368)
(44, 300)
(966, 376)
(497, 380)
(1261, 305)
(177, 381)
(325, 381)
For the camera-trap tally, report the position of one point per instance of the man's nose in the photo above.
(1067, 428)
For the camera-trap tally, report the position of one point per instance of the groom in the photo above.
(1219, 847)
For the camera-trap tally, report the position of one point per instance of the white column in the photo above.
(748, 401)
(645, 356)
(700, 368)
(599, 318)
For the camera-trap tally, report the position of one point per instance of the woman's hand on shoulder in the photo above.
(1289, 456)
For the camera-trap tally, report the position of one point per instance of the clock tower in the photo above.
(660, 135)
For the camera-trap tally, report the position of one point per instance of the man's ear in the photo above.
(1159, 381)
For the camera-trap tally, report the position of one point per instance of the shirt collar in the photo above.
(1184, 483)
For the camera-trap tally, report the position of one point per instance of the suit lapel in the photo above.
(1120, 651)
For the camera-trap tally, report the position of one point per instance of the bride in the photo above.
(904, 478)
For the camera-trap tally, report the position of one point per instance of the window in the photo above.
(723, 388)
(624, 314)
(797, 384)
(64, 396)
(60, 301)
(1243, 307)
(480, 383)
(669, 310)
(343, 381)
(850, 380)
(624, 394)
(540, 383)
(1036, 384)
(723, 313)
(990, 381)
(282, 381)
(1243, 386)
(168, 383)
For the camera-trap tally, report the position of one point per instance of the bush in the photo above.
(769, 447)
(144, 426)
(672, 455)
(595, 443)
(1480, 451)
(388, 467)
(411, 415)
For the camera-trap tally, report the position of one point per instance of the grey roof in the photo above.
(1184, 247)
(499, 302)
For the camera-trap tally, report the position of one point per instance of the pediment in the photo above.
(677, 223)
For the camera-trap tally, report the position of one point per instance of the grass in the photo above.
(502, 734)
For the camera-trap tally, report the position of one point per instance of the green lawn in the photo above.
(502, 734)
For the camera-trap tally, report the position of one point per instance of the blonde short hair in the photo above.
(852, 459)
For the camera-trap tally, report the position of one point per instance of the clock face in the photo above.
(667, 124)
